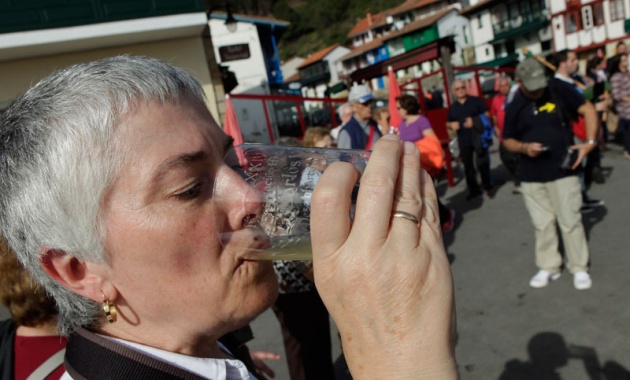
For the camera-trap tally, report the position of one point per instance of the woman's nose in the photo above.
(241, 202)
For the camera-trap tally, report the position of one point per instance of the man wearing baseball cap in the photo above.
(537, 126)
(361, 131)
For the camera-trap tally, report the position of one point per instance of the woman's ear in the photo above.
(79, 276)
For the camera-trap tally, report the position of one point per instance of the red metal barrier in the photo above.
(298, 100)
(437, 117)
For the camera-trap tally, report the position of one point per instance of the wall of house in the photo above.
(556, 6)
(481, 28)
(395, 47)
(451, 24)
(531, 42)
(250, 72)
(18, 75)
(289, 68)
(420, 38)
(559, 35)
(609, 31)
(484, 53)
(332, 59)
(482, 33)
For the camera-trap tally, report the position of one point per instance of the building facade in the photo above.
(501, 30)
(400, 30)
(320, 71)
(247, 47)
(246, 50)
(587, 25)
(37, 39)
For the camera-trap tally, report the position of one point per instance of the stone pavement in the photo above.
(507, 330)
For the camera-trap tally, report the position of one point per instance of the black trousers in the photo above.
(624, 125)
(476, 160)
(445, 214)
(510, 161)
(305, 328)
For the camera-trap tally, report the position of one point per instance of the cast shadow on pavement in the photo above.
(591, 219)
(548, 352)
(461, 205)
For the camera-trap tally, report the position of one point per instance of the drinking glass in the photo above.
(281, 179)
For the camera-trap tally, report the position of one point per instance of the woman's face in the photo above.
(623, 63)
(324, 142)
(178, 285)
(401, 111)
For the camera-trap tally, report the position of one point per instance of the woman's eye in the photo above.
(190, 193)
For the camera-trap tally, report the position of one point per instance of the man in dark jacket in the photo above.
(361, 131)
(461, 117)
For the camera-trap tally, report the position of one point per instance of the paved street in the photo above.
(574, 333)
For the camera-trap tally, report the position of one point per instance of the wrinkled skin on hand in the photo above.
(385, 281)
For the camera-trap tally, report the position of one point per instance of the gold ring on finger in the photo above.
(405, 215)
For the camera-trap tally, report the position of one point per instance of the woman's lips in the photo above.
(246, 242)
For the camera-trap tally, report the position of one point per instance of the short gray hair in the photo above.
(344, 108)
(59, 152)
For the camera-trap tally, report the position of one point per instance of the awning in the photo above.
(512, 33)
(411, 58)
(499, 62)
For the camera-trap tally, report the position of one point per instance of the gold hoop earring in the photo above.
(110, 310)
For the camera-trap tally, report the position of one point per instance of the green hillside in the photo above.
(315, 24)
(318, 24)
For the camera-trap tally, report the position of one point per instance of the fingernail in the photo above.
(391, 136)
(409, 147)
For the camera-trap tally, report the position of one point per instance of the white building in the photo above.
(247, 48)
(404, 31)
(320, 70)
(502, 29)
(586, 25)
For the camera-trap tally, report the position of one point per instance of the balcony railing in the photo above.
(519, 21)
(315, 79)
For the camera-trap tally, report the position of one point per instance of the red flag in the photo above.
(394, 92)
(474, 87)
(230, 123)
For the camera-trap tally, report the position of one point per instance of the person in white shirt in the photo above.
(566, 70)
(345, 114)
(110, 173)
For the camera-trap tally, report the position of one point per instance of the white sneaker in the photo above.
(541, 279)
(582, 280)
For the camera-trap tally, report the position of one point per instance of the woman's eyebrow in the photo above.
(177, 162)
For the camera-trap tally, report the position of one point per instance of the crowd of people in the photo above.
(551, 129)
(109, 169)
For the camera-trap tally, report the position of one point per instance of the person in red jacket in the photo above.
(497, 112)
(29, 341)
